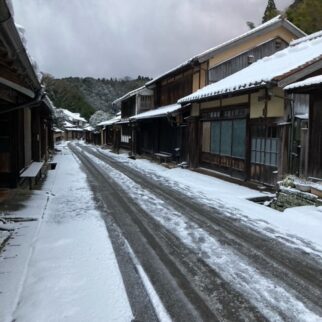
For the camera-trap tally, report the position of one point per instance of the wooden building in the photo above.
(132, 103)
(201, 70)
(73, 124)
(243, 122)
(59, 135)
(109, 133)
(309, 138)
(158, 132)
(25, 112)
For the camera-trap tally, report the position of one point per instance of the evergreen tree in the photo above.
(306, 14)
(270, 11)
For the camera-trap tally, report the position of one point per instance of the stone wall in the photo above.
(290, 197)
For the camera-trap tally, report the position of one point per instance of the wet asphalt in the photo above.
(188, 287)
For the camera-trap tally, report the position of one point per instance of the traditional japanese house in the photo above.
(244, 120)
(199, 71)
(132, 103)
(308, 133)
(58, 135)
(89, 134)
(147, 129)
(109, 133)
(25, 111)
(73, 124)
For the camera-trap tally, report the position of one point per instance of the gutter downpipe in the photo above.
(30, 104)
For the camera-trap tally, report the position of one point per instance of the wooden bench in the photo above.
(163, 156)
(33, 171)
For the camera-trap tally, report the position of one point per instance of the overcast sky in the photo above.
(116, 38)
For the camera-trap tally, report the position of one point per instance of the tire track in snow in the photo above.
(299, 272)
(271, 299)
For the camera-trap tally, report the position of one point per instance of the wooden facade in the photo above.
(204, 69)
(307, 136)
(25, 112)
(315, 134)
(161, 135)
(130, 104)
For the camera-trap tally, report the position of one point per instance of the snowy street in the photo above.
(61, 267)
(202, 254)
(120, 240)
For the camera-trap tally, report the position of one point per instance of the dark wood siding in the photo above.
(315, 145)
(171, 90)
(128, 107)
(224, 137)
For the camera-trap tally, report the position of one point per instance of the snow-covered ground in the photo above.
(263, 292)
(299, 226)
(63, 267)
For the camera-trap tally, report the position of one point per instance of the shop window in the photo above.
(239, 137)
(225, 137)
(265, 146)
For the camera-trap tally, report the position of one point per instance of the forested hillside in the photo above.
(306, 14)
(87, 95)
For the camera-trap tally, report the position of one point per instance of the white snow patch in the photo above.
(268, 295)
(158, 112)
(232, 199)
(316, 80)
(110, 121)
(73, 273)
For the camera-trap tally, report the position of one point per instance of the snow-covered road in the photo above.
(72, 273)
(211, 259)
(117, 239)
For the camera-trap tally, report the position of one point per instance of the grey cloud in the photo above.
(115, 38)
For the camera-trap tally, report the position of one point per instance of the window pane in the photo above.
(274, 145)
(274, 159)
(258, 157)
(239, 135)
(268, 145)
(215, 137)
(258, 144)
(262, 158)
(253, 158)
(226, 137)
(267, 158)
(206, 137)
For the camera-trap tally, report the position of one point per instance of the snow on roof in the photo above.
(307, 38)
(110, 121)
(267, 24)
(22, 33)
(159, 112)
(129, 94)
(302, 116)
(68, 124)
(10, 7)
(57, 130)
(89, 128)
(316, 80)
(265, 70)
(74, 129)
(73, 116)
(222, 46)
